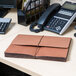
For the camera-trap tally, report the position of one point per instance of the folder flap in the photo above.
(31, 40)
(59, 42)
(52, 52)
(24, 50)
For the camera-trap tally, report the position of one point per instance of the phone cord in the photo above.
(34, 24)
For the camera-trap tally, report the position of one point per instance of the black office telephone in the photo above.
(56, 18)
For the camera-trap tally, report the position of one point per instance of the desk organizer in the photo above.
(26, 16)
(39, 47)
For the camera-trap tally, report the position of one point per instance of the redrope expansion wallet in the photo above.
(39, 47)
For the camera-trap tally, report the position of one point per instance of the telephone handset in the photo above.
(45, 17)
(56, 18)
(48, 14)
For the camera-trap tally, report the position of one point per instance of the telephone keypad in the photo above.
(56, 25)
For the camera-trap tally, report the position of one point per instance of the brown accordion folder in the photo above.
(39, 47)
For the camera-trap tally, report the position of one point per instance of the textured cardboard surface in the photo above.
(52, 53)
(60, 42)
(27, 40)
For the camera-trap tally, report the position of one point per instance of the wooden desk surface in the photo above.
(36, 67)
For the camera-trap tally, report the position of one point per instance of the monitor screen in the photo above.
(7, 3)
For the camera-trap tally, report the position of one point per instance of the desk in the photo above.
(36, 67)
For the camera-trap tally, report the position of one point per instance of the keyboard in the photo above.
(3, 12)
(4, 23)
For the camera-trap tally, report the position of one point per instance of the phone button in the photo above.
(58, 28)
(47, 26)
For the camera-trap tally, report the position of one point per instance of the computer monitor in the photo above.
(8, 3)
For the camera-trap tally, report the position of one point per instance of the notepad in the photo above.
(39, 47)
